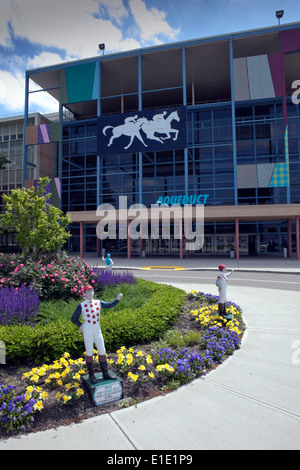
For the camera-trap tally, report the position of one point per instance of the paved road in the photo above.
(244, 279)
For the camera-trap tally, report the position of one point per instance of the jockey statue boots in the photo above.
(104, 369)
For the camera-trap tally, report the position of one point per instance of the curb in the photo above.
(176, 268)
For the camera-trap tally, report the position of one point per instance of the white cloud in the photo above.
(12, 95)
(115, 9)
(6, 14)
(70, 25)
(2, 91)
(44, 59)
(13, 86)
(152, 23)
(67, 30)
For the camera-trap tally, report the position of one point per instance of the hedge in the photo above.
(45, 343)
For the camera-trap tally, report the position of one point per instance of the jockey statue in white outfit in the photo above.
(90, 310)
(221, 283)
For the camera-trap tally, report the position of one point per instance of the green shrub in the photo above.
(43, 343)
(149, 322)
(126, 327)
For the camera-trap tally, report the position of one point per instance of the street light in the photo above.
(102, 47)
(279, 14)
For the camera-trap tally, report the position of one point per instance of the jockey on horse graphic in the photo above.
(133, 125)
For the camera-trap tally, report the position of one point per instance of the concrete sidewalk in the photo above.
(249, 402)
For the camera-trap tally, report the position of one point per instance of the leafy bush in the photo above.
(41, 344)
(55, 276)
(150, 321)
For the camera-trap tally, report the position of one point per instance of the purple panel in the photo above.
(40, 138)
(276, 67)
(43, 134)
(290, 40)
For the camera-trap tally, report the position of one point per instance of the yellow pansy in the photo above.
(38, 406)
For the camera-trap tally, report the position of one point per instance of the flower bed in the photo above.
(147, 370)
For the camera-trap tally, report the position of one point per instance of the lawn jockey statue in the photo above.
(221, 283)
(90, 310)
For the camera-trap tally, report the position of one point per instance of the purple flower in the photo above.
(104, 278)
(18, 305)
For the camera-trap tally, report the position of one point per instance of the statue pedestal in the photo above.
(104, 391)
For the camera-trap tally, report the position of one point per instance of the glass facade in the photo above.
(242, 127)
(209, 170)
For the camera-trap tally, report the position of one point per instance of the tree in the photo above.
(40, 226)
(3, 161)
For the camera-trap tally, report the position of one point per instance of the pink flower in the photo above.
(42, 269)
(53, 280)
(3, 280)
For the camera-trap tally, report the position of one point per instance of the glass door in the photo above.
(220, 244)
(208, 244)
(243, 243)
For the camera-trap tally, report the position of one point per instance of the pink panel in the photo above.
(276, 73)
(290, 40)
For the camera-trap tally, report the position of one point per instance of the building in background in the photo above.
(209, 120)
(41, 161)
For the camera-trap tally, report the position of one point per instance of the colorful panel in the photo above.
(55, 189)
(43, 134)
(31, 135)
(63, 88)
(281, 176)
(264, 174)
(290, 40)
(241, 85)
(55, 131)
(80, 81)
(275, 64)
(260, 79)
(247, 176)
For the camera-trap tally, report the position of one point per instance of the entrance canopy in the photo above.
(218, 214)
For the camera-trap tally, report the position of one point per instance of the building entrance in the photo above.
(217, 245)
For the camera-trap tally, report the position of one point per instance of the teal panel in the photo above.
(80, 82)
(63, 88)
(95, 88)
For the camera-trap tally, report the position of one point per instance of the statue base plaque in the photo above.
(104, 391)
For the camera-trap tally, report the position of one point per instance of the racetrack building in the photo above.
(212, 121)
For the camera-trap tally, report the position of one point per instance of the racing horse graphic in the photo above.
(161, 125)
(132, 127)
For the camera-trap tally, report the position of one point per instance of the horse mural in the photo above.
(133, 126)
(161, 125)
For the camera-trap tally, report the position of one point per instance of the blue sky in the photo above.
(37, 33)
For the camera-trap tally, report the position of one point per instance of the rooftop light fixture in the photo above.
(102, 47)
(279, 14)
